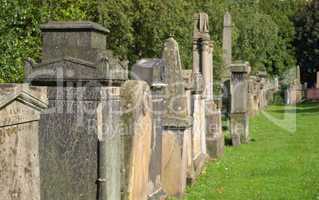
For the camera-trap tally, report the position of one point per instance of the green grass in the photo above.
(277, 164)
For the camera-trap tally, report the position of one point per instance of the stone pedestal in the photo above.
(215, 138)
(79, 138)
(20, 108)
(239, 128)
(239, 103)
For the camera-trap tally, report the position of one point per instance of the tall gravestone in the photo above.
(152, 71)
(80, 144)
(20, 108)
(239, 103)
(207, 132)
(176, 123)
(136, 121)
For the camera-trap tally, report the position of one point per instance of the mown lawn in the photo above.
(277, 164)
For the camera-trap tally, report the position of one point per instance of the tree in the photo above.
(307, 40)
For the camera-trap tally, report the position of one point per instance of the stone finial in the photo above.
(201, 26)
(227, 20)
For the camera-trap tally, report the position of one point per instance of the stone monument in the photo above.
(79, 138)
(239, 103)
(20, 108)
(176, 123)
(152, 71)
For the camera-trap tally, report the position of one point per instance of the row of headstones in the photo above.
(80, 130)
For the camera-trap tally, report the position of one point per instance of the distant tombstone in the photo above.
(152, 71)
(176, 123)
(20, 108)
(136, 120)
(79, 134)
(239, 103)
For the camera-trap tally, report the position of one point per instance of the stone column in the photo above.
(227, 44)
(207, 66)
(196, 56)
(239, 103)
(317, 83)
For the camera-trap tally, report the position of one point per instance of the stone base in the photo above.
(239, 128)
(215, 147)
(174, 162)
(214, 138)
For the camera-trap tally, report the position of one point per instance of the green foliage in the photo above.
(262, 32)
(307, 37)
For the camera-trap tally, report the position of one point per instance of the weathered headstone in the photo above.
(176, 123)
(20, 108)
(152, 71)
(136, 120)
(80, 132)
(239, 103)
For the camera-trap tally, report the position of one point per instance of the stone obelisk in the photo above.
(227, 45)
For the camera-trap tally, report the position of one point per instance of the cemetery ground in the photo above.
(277, 164)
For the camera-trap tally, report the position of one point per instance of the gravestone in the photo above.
(239, 103)
(79, 136)
(20, 108)
(206, 127)
(152, 71)
(176, 123)
(136, 120)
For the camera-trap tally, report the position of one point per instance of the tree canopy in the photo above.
(263, 29)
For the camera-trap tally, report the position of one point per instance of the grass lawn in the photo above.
(277, 164)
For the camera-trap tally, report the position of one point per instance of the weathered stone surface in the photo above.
(227, 45)
(214, 138)
(239, 128)
(75, 51)
(20, 108)
(239, 103)
(174, 162)
(175, 99)
(136, 119)
(70, 133)
(176, 123)
(152, 71)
